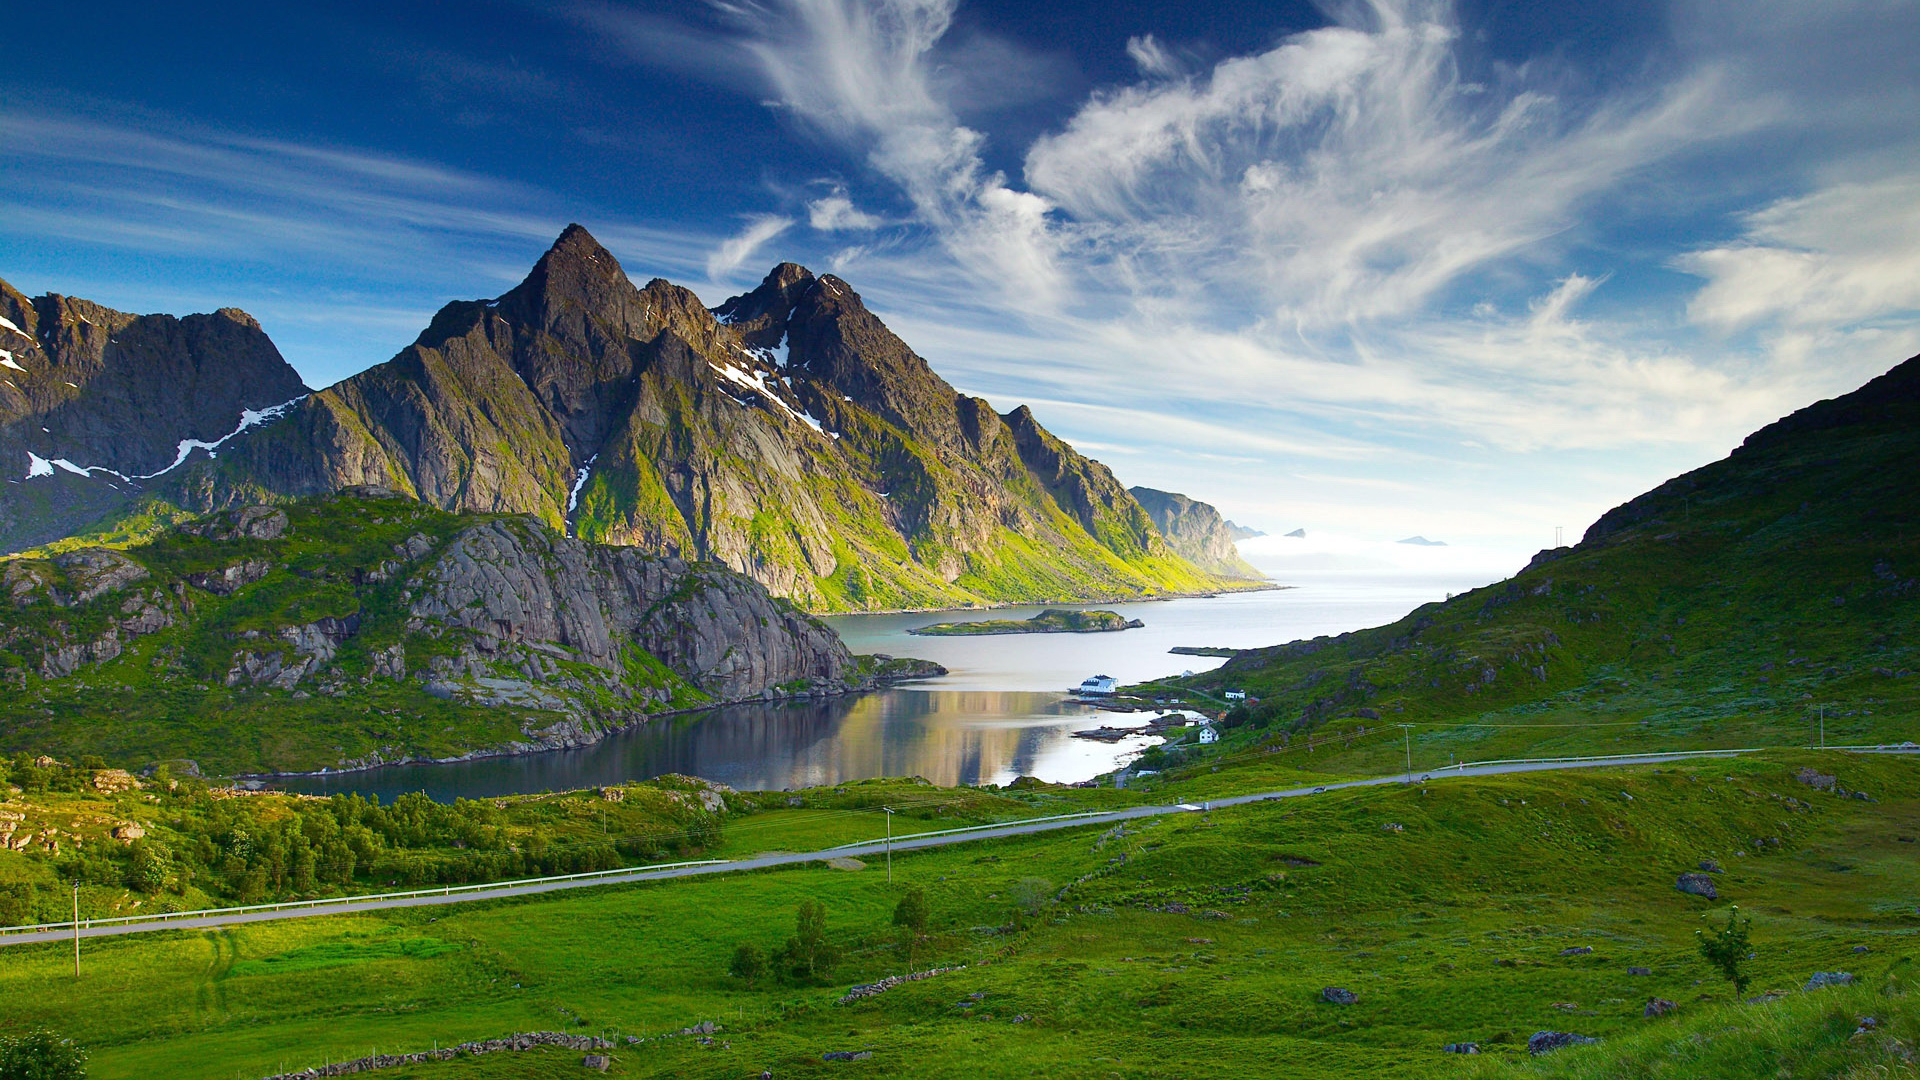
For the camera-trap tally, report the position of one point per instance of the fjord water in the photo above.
(1000, 714)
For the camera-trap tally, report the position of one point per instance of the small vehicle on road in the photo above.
(1318, 790)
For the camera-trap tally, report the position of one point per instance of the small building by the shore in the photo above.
(1099, 686)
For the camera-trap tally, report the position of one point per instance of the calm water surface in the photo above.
(1000, 714)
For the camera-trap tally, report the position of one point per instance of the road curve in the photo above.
(878, 847)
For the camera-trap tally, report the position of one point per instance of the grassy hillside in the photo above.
(1733, 606)
(1196, 946)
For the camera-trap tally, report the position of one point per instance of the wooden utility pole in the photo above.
(76, 929)
(889, 811)
(1406, 732)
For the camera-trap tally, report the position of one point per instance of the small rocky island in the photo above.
(1050, 621)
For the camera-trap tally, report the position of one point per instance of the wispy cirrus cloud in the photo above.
(740, 247)
(1295, 237)
(863, 73)
(297, 230)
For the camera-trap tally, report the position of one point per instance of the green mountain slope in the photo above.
(788, 434)
(1198, 532)
(364, 626)
(1734, 605)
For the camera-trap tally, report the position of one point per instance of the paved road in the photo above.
(909, 843)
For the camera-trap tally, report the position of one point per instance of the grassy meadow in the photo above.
(1194, 945)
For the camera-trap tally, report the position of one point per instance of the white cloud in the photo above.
(862, 73)
(1351, 172)
(836, 213)
(1151, 57)
(1842, 255)
(737, 249)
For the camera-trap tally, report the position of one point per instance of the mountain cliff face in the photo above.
(366, 626)
(787, 434)
(1197, 531)
(94, 403)
(1716, 610)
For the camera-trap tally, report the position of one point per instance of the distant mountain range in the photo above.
(787, 434)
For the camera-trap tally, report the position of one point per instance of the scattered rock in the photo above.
(1544, 1042)
(1334, 995)
(1460, 1048)
(1828, 978)
(1708, 866)
(1576, 950)
(1817, 780)
(1697, 885)
(1639, 971)
(867, 990)
(598, 1062)
(846, 1055)
(526, 1041)
(1392, 826)
(1658, 1007)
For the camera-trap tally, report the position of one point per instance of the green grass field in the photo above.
(1193, 946)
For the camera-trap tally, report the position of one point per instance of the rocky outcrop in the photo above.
(372, 596)
(518, 589)
(92, 399)
(1198, 532)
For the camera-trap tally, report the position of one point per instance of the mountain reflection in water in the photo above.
(946, 736)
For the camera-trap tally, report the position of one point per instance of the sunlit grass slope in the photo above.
(1195, 945)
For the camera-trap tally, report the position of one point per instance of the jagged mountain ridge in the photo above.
(94, 402)
(787, 434)
(364, 626)
(1197, 531)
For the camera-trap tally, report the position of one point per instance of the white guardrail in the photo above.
(1888, 747)
(967, 828)
(347, 901)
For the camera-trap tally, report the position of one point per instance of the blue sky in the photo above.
(1467, 270)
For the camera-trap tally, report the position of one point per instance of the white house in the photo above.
(1235, 695)
(1208, 735)
(1098, 686)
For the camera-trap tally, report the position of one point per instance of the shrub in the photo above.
(1728, 948)
(41, 1055)
(749, 963)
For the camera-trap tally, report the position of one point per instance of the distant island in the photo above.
(1050, 621)
(1298, 534)
(1421, 541)
(1204, 650)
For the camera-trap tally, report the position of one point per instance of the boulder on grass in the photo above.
(1545, 1042)
(1334, 995)
(1658, 1007)
(1828, 978)
(1697, 885)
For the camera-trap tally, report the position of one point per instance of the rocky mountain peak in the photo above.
(575, 276)
(760, 316)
